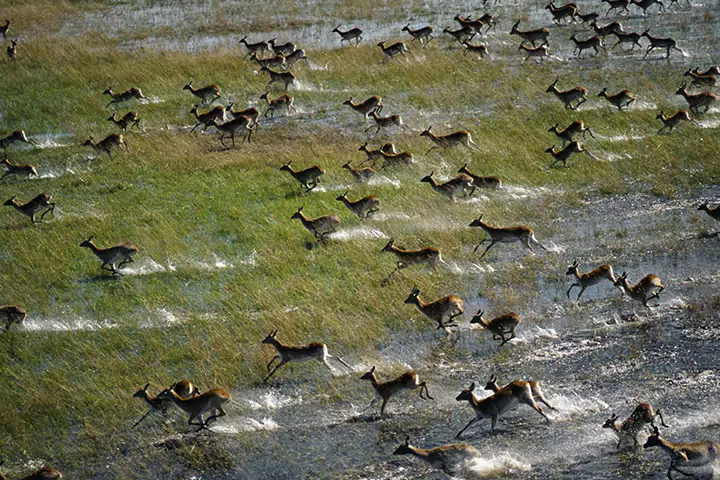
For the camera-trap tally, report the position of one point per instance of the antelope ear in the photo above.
(372, 370)
(407, 440)
(146, 387)
(472, 386)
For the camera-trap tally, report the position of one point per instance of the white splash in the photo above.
(383, 180)
(65, 324)
(492, 467)
(358, 232)
(144, 267)
(273, 401)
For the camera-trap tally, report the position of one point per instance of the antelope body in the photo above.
(371, 105)
(540, 52)
(451, 188)
(319, 227)
(519, 233)
(305, 177)
(183, 388)
(480, 181)
(119, 254)
(430, 256)
(698, 100)
(114, 140)
(295, 57)
(133, 92)
(564, 154)
(424, 35)
(520, 385)
(621, 5)
(593, 42)
(476, 49)
(700, 80)
(4, 28)
(631, 37)
(449, 458)
(210, 402)
(713, 212)
(673, 120)
(391, 51)
(284, 49)
(254, 47)
(462, 34)
(278, 61)
(292, 353)
(612, 28)
(559, 13)
(207, 94)
(499, 326)
(45, 473)
(657, 42)
(646, 289)
(531, 36)
(251, 113)
(34, 206)
(645, 4)
(386, 122)
(683, 455)
(240, 124)
(349, 35)
(385, 390)
(588, 279)
(578, 94)
(363, 208)
(461, 137)
(16, 136)
(284, 100)
(217, 114)
(568, 133)
(449, 306)
(10, 314)
(360, 174)
(130, 119)
(12, 50)
(620, 99)
(644, 414)
(13, 169)
(286, 78)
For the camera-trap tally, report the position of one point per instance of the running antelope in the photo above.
(114, 140)
(389, 52)
(240, 124)
(620, 99)
(486, 20)
(685, 455)
(532, 36)
(119, 254)
(130, 119)
(519, 233)
(462, 34)
(631, 37)
(207, 94)
(183, 388)
(516, 385)
(285, 49)
(569, 96)
(349, 35)
(430, 256)
(363, 208)
(133, 92)
(644, 414)
(588, 279)
(449, 306)
(305, 177)
(657, 42)
(621, 5)
(424, 35)
(540, 52)
(698, 100)
(568, 134)
(251, 113)
(12, 50)
(299, 353)
(700, 80)
(449, 458)
(476, 49)
(372, 104)
(360, 174)
(34, 206)
(461, 137)
(588, 17)
(713, 212)
(254, 47)
(319, 227)
(499, 326)
(278, 61)
(372, 155)
(286, 78)
(16, 136)
(593, 42)
(612, 28)
(45, 473)
(25, 169)
(480, 181)
(645, 4)
(217, 114)
(461, 183)
(497, 404)
(395, 159)
(559, 13)
(714, 70)
(210, 402)
(284, 100)
(645, 290)
(564, 154)
(385, 390)
(295, 57)
(4, 28)
(386, 122)
(10, 314)
(674, 120)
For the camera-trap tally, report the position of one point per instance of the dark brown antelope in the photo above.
(480, 181)
(12, 50)
(130, 119)
(630, 37)
(13, 169)
(578, 94)
(252, 113)
(285, 49)
(207, 94)
(114, 140)
(532, 36)
(391, 160)
(129, 94)
(360, 175)
(661, 43)
(34, 206)
(698, 100)
(120, 254)
(299, 353)
(283, 101)
(453, 187)
(714, 70)
(713, 212)
(4, 28)
(684, 455)
(449, 458)
(308, 178)
(295, 57)
(559, 13)
(286, 78)
(320, 227)
(645, 290)
(278, 61)
(700, 80)
(611, 28)
(461, 137)
(44, 473)
(424, 35)
(644, 414)
(386, 122)
(372, 104)
(499, 326)
(462, 34)
(621, 99)
(571, 131)
(519, 233)
(16, 136)
(593, 42)
(540, 52)
(645, 4)
(385, 390)
(206, 119)
(474, 25)
(588, 17)
(480, 50)
(11, 314)
(254, 47)
(429, 256)
(363, 208)
(621, 5)
(391, 51)
(564, 154)
(449, 306)
(588, 279)
(349, 35)
(238, 125)
(674, 120)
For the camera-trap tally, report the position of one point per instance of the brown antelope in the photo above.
(207, 94)
(643, 414)
(349, 35)
(299, 353)
(284, 100)
(34, 206)
(685, 455)
(240, 124)
(611, 28)
(516, 385)
(713, 212)
(133, 92)
(588, 279)
(25, 169)
(497, 404)
(698, 100)
(10, 314)
(286, 78)
(217, 114)
(593, 42)
(119, 254)
(295, 57)
(360, 174)
(714, 70)
(645, 290)
(461, 137)
(569, 96)
(183, 388)
(251, 113)
(449, 306)
(674, 120)
(480, 181)
(657, 42)
(372, 155)
(621, 99)
(386, 122)
(4, 28)
(700, 80)
(564, 154)
(621, 5)
(385, 390)
(372, 104)
(474, 25)
(476, 49)
(532, 36)
(568, 134)
(114, 140)
(319, 227)
(645, 4)
(395, 159)
(210, 402)
(630, 37)
(461, 183)
(285, 49)
(449, 458)
(462, 34)
(278, 61)
(305, 177)
(254, 47)
(363, 208)
(45, 473)
(499, 326)
(430, 256)
(588, 17)
(389, 52)
(12, 50)
(559, 13)
(520, 233)
(130, 119)
(16, 136)
(540, 52)
(424, 35)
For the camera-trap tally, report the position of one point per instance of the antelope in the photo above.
(295, 57)
(423, 35)
(531, 36)
(697, 100)
(114, 140)
(517, 385)
(559, 13)
(363, 208)
(476, 25)
(461, 183)
(386, 122)
(12, 50)
(569, 133)
(700, 80)
(278, 61)
(360, 174)
(10, 314)
(319, 227)
(212, 92)
(519, 233)
(430, 256)
(34, 206)
(449, 306)
(4, 28)
(372, 104)
(620, 99)
(205, 119)
(499, 326)
(588, 279)
(497, 404)
(476, 49)
(714, 70)
(389, 52)
(646, 289)
(673, 2)
(26, 169)
(589, 17)
(480, 181)
(210, 402)
(16, 136)
(129, 119)
(238, 124)
(645, 4)
(305, 177)
(394, 159)
(286, 78)
(372, 155)
(657, 42)
(251, 113)
(569, 96)
(643, 414)
(713, 212)
(284, 100)
(462, 34)
(299, 353)
(183, 388)
(631, 37)
(119, 254)
(45, 473)
(254, 47)
(611, 28)
(540, 52)
(622, 5)
(385, 390)
(284, 49)
(448, 458)
(564, 154)
(684, 455)
(349, 35)
(133, 92)
(593, 42)
(461, 137)
(674, 120)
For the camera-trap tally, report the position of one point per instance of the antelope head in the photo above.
(270, 338)
(412, 298)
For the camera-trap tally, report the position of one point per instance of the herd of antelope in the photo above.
(443, 311)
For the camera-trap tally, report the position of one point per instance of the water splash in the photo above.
(355, 233)
(65, 324)
(492, 467)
